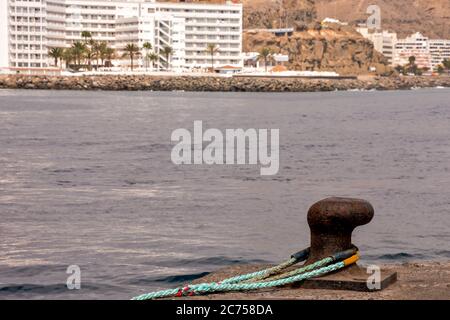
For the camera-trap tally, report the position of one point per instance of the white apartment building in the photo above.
(4, 34)
(416, 45)
(429, 53)
(187, 28)
(383, 41)
(30, 27)
(23, 25)
(439, 50)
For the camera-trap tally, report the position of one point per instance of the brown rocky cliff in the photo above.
(277, 13)
(339, 49)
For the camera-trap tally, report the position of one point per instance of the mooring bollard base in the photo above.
(353, 281)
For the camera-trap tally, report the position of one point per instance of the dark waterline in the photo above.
(86, 179)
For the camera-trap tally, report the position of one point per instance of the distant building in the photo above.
(227, 70)
(28, 28)
(383, 41)
(280, 58)
(417, 46)
(335, 21)
(279, 32)
(439, 50)
(429, 53)
(251, 60)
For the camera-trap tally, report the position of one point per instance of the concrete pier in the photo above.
(416, 281)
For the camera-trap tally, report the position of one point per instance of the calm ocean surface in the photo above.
(86, 179)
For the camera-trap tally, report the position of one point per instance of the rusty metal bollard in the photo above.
(332, 222)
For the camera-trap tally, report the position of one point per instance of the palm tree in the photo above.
(152, 57)
(167, 51)
(110, 53)
(88, 42)
(265, 54)
(68, 56)
(212, 49)
(131, 50)
(90, 52)
(96, 51)
(102, 52)
(56, 53)
(412, 67)
(400, 69)
(147, 46)
(78, 51)
(446, 64)
(86, 35)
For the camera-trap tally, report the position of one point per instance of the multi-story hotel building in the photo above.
(23, 29)
(28, 28)
(414, 46)
(429, 53)
(187, 28)
(383, 41)
(439, 50)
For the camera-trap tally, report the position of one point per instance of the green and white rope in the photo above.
(262, 274)
(225, 287)
(254, 280)
(220, 287)
(295, 272)
(235, 284)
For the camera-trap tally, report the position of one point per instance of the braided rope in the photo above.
(240, 278)
(225, 287)
(246, 286)
(216, 287)
(266, 273)
(309, 267)
(273, 276)
(262, 274)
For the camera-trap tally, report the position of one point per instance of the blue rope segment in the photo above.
(255, 280)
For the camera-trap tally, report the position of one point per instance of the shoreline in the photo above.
(214, 84)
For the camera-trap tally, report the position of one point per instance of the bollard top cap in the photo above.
(339, 214)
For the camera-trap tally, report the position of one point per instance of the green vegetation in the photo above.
(57, 54)
(411, 68)
(82, 53)
(212, 49)
(88, 54)
(152, 58)
(147, 46)
(440, 69)
(167, 51)
(78, 51)
(131, 50)
(265, 54)
(446, 64)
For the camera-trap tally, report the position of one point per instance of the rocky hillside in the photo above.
(277, 13)
(431, 17)
(310, 47)
(337, 48)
